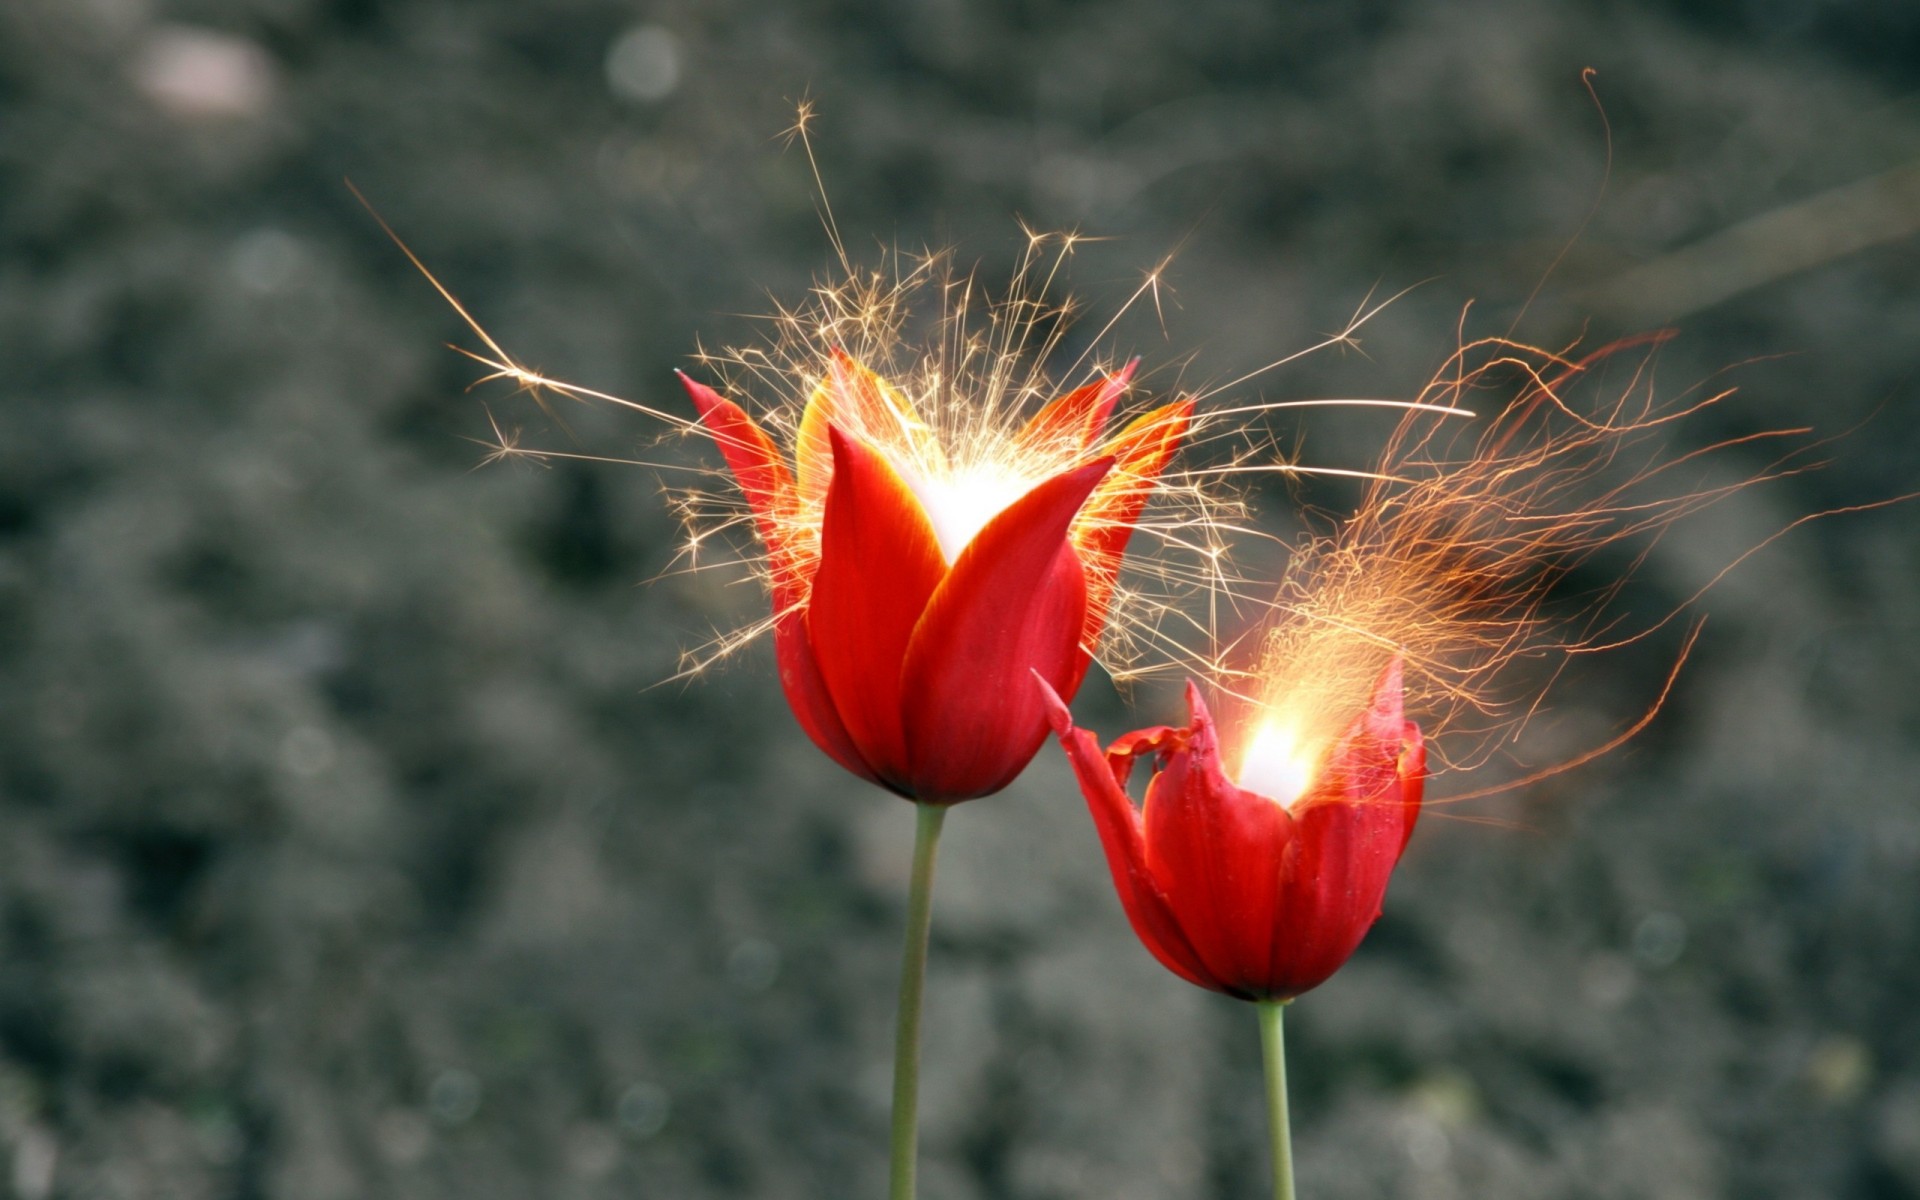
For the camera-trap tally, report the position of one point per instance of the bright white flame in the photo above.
(1275, 764)
(959, 505)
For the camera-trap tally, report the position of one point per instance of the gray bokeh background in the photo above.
(347, 850)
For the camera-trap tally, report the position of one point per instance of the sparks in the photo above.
(951, 374)
(1455, 546)
(946, 378)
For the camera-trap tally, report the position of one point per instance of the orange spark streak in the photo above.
(1459, 540)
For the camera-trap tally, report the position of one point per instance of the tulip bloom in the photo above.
(1243, 888)
(917, 585)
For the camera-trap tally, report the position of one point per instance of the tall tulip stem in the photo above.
(913, 981)
(1273, 1051)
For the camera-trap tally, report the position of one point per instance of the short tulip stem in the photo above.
(1273, 1051)
(913, 982)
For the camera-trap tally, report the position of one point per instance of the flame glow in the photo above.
(1274, 764)
(960, 504)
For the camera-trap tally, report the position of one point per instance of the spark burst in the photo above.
(952, 375)
(952, 405)
(1456, 547)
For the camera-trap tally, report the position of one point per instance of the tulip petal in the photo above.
(756, 464)
(879, 564)
(1160, 740)
(1215, 852)
(865, 396)
(855, 400)
(1014, 602)
(1118, 824)
(1141, 452)
(1386, 721)
(768, 487)
(1076, 418)
(1352, 829)
(1412, 771)
(807, 695)
(813, 448)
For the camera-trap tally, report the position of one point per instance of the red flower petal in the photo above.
(1160, 740)
(756, 464)
(1215, 852)
(813, 448)
(1119, 828)
(1413, 779)
(1141, 452)
(1078, 416)
(879, 564)
(807, 694)
(872, 406)
(1351, 831)
(764, 480)
(1014, 603)
(854, 400)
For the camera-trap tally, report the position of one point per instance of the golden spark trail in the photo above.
(1456, 545)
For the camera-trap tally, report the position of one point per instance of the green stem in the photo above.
(913, 982)
(1273, 1051)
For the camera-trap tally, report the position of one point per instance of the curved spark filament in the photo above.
(1461, 536)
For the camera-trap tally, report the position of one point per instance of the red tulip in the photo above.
(915, 586)
(1260, 896)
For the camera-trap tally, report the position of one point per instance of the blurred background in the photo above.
(348, 848)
